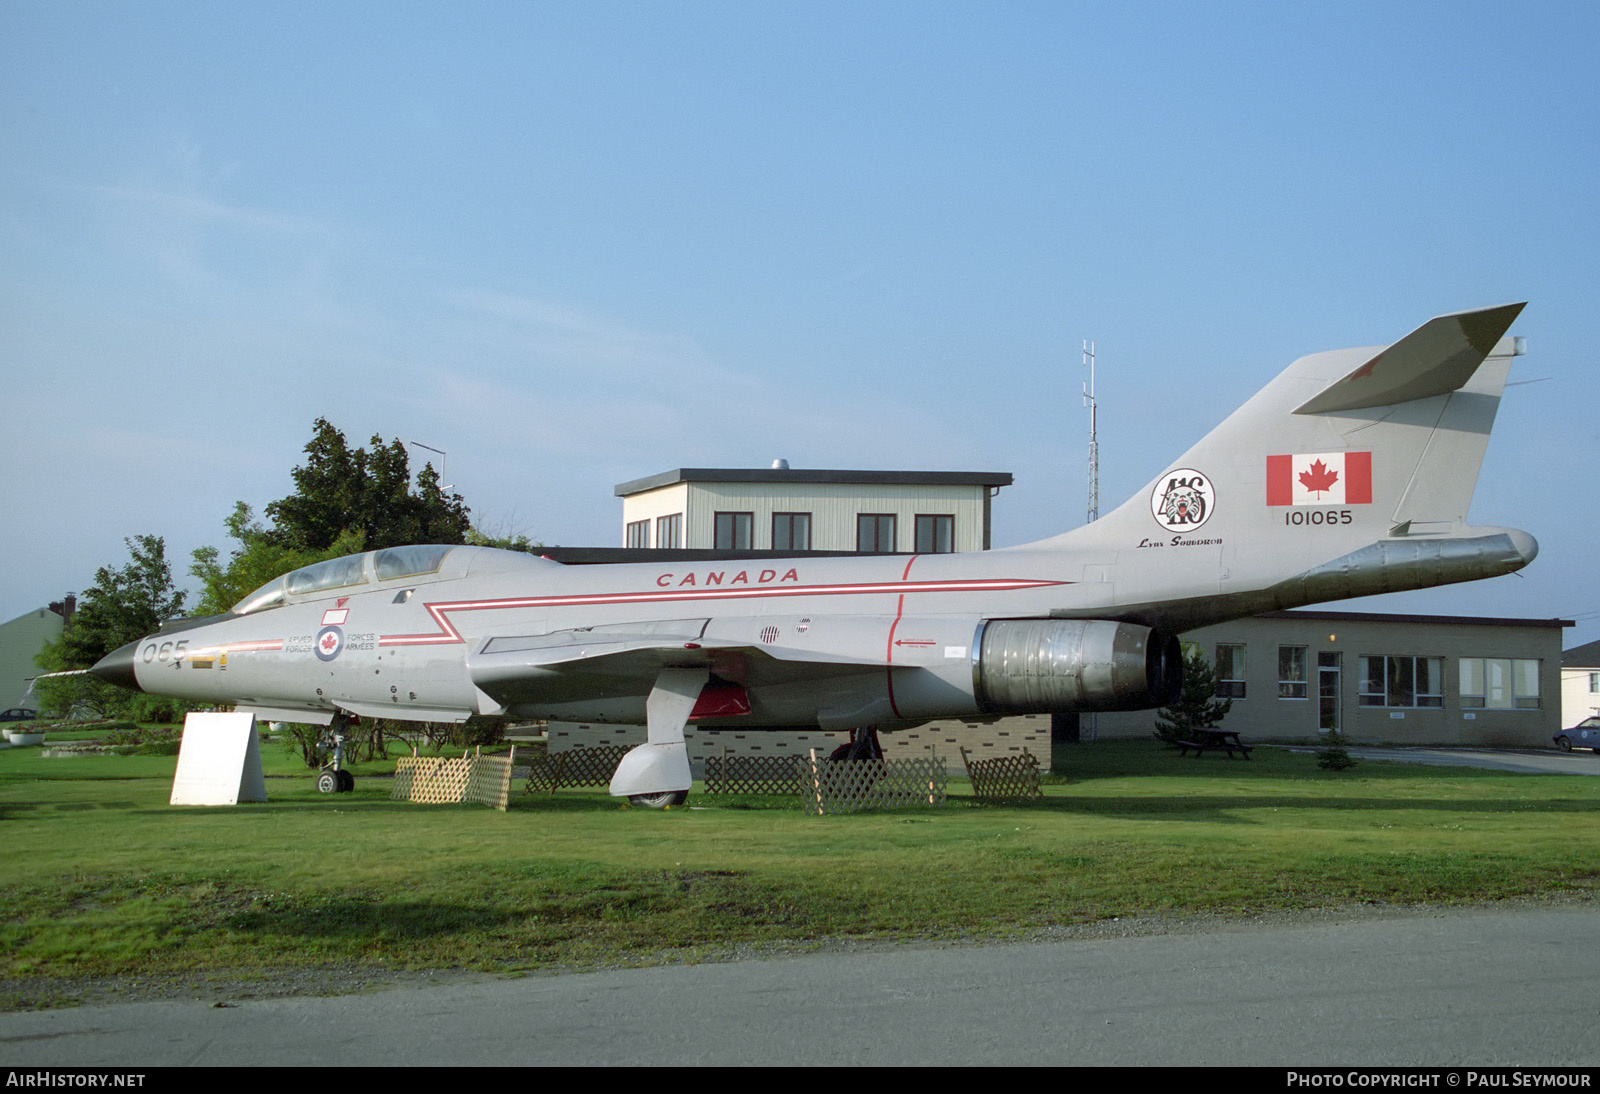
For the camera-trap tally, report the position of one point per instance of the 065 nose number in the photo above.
(166, 651)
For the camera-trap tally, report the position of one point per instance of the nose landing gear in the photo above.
(333, 778)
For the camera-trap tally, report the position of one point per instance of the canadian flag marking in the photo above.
(1320, 478)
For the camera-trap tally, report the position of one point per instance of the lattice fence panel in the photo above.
(436, 780)
(1004, 778)
(432, 780)
(544, 773)
(587, 766)
(490, 781)
(780, 775)
(849, 786)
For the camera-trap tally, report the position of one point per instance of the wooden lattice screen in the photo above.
(779, 775)
(437, 780)
(1004, 778)
(575, 767)
(544, 772)
(848, 786)
(490, 781)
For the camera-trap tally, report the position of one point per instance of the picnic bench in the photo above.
(1225, 739)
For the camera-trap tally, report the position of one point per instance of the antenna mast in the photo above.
(1094, 439)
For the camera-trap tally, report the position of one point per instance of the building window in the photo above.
(669, 531)
(1230, 672)
(1402, 682)
(875, 533)
(936, 535)
(1594, 683)
(791, 531)
(638, 533)
(1291, 672)
(733, 531)
(1500, 683)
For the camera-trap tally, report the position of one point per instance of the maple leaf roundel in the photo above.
(330, 640)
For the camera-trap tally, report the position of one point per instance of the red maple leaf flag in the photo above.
(1320, 478)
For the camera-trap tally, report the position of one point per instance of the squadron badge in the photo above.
(1182, 500)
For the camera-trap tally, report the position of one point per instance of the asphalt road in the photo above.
(1531, 761)
(1458, 988)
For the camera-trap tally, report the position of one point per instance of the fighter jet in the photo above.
(1347, 475)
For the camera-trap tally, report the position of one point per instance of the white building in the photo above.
(779, 509)
(1580, 683)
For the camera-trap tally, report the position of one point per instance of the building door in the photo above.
(1329, 707)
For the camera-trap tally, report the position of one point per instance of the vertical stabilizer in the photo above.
(1343, 453)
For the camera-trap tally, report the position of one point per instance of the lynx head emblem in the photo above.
(1182, 500)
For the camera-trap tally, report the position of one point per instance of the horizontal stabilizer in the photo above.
(1436, 358)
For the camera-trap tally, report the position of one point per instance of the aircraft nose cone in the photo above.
(117, 667)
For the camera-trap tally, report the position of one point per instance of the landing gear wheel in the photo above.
(347, 781)
(862, 745)
(659, 801)
(328, 782)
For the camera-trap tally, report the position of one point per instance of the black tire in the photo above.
(327, 782)
(347, 781)
(659, 801)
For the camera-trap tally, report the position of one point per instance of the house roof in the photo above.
(1586, 656)
(1447, 620)
(813, 475)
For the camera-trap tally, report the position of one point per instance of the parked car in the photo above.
(1586, 734)
(18, 714)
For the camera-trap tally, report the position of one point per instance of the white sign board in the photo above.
(219, 762)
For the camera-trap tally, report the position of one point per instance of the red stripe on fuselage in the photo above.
(236, 647)
(888, 653)
(447, 631)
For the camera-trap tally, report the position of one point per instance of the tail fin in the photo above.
(1347, 475)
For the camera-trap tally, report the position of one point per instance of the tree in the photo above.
(1197, 706)
(121, 606)
(502, 539)
(1335, 755)
(346, 500)
(258, 559)
(342, 490)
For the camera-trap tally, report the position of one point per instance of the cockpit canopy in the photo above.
(351, 570)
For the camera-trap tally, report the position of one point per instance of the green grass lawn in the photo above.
(99, 875)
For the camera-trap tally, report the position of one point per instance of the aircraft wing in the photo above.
(631, 655)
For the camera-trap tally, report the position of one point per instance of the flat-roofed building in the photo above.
(1381, 678)
(782, 509)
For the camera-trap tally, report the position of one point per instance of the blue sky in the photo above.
(573, 244)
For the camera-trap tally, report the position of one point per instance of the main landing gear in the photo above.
(863, 745)
(659, 801)
(655, 774)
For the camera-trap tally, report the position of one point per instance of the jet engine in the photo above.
(1024, 665)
